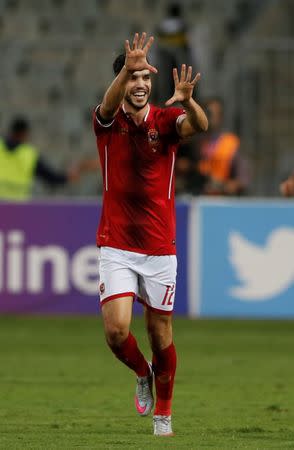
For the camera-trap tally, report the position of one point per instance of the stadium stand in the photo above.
(56, 60)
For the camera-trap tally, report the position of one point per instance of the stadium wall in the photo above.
(235, 258)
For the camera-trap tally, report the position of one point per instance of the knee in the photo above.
(160, 335)
(116, 335)
(156, 332)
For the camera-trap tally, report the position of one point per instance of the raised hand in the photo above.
(136, 57)
(183, 86)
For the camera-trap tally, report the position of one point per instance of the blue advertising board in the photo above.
(245, 252)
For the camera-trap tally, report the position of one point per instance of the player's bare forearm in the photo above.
(114, 95)
(136, 59)
(195, 120)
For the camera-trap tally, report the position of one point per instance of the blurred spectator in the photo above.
(287, 187)
(214, 166)
(88, 165)
(20, 163)
(172, 50)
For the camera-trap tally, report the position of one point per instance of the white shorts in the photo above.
(152, 279)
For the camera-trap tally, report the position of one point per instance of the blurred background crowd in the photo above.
(56, 62)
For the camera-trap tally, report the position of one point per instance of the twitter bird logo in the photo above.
(263, 271)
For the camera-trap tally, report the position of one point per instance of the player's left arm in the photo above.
(195, 118)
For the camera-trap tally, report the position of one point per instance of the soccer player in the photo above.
(137, 144)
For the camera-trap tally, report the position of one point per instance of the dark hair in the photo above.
(174, 10)
(19, 125)
(118, 63)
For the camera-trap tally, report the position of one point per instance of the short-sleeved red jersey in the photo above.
(138, 212)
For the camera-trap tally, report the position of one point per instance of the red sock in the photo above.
(164, 364)
(131, 356)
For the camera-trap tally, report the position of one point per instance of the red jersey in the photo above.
(138, 212)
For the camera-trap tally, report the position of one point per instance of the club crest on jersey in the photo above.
(102, 288)
(153, 137)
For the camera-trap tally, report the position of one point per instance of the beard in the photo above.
(129, 100)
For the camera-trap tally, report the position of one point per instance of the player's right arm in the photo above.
(136, 59)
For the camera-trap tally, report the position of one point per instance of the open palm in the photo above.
(184, 85)
(136, 57)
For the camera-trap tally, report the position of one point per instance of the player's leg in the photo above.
(118, 285)
(117, 316)
(164, 363)
(157, 291)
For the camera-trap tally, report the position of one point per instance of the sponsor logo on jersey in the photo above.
(123, 130)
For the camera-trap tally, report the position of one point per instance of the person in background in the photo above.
(287, 186)
(173, 48)
(214, 166)
(20, 163)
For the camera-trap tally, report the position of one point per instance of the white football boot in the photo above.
(162, 426)
(144, 397)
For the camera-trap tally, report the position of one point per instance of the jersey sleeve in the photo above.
(169, 117)
(100, 126)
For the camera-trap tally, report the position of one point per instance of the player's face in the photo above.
(138, 89)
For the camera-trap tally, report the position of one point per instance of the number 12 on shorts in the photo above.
(168, 298)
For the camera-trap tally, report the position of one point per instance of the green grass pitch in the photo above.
(61, 388)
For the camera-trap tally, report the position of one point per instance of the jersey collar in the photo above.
(146, 115)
